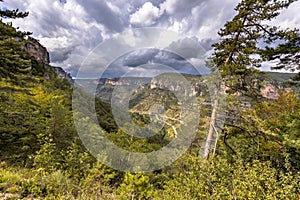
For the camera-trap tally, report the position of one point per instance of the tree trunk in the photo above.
(212, 124)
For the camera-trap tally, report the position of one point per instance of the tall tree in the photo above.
(246, 41)
(13, 59)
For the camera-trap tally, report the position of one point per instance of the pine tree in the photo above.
(246, 41)
(13, 58)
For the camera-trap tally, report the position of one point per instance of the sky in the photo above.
(71, 29)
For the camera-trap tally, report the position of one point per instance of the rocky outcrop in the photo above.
(175, 85)
(63, 74)
(40, 53)
(165, 81)
(35, 49)
(271, 90)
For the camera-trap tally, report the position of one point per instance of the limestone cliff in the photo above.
(40, 53)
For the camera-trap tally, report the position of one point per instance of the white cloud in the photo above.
(146, 15)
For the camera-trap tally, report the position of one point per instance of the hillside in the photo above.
(48, 137)
(35, 102)
(281, 77)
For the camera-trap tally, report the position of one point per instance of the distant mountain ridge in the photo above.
(280, 76)
(273, 83)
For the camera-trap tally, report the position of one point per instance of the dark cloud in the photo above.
(188, 48)
(102, 13)
(59, 56)
(139, 57)
(149, 60)
(179, 8)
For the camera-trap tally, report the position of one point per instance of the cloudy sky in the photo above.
(71, 29)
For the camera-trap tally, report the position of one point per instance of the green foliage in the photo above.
(45, 156)
(269, 130)
(76, 161)
(287, 53)
(135, 186)
(100, 182)
(30, 116)
(12, 57)
(231, 180)
(31, 184)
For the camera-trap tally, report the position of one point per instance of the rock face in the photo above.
(63, 74)
(164, 82)
(175, 85)
(271, 90)
(39, 52)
